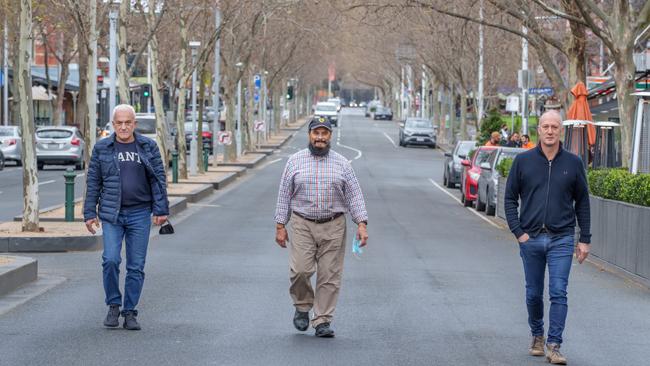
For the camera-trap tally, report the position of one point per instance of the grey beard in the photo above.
(319, 152)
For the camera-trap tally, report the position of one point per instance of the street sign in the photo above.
(259, 126)
(545, 90)
(512, 103)
(256, 96)
(224, 137)
(2, 79)
(258, 81)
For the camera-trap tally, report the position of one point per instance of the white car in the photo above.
(337, 102)
(328, 110)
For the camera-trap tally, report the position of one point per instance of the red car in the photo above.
(471, 173)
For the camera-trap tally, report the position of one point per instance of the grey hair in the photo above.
(551, 113)
(124, 108)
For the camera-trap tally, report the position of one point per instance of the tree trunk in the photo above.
(277, 113)
(230, 153)
(624, 78)
(90, 121)
(82, 106)
(443, 116)
(575, 48)
(25, 113)
(161, 124)
(122, 70)
(463, 115)
(199, 130)
(58, 108)
(180, 111)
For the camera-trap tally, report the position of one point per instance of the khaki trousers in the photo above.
(316, 248)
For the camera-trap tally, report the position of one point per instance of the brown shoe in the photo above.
(554, 356)
(537, 346)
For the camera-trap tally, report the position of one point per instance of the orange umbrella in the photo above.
(580, 110)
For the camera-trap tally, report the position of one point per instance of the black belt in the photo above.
(320, 221)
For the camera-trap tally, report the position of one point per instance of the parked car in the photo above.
(146, 126)
(206, 132)
(383, 113)
(59, 146)
(2, 160)
(372, 107)
(11, 144)
(417, 131)
(328, 110)
(471, 173)
(488, 181)
(453, 167)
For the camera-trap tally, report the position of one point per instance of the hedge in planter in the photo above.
(620, 185)
(504, 167)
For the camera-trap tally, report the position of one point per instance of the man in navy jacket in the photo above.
(126, 178)
(551, 184)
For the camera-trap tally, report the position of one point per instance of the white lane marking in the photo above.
(338, 142)
(46, 182)
(81, 175)
(390, 139)
(468, 208)
(273, 161)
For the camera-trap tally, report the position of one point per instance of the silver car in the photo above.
(11, 144)
(418, 131)
(59, 146)
(488, 181)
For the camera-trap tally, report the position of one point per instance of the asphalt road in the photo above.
(51, 189)
(437, 285)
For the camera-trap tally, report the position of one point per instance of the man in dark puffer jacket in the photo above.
(126, 178)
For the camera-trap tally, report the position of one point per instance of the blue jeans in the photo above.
(536, 253)
(133, 227)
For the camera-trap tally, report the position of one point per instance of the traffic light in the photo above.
(145, 91)
(290, 92)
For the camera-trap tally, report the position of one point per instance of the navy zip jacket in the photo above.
(103, 184)
(552, 193)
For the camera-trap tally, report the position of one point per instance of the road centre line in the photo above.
(389, 139)
(468, 208)
(338, 142)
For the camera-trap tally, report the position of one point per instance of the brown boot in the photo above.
(537, 346)
(553, 355)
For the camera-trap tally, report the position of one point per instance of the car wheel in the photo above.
(81, 165)
(450, 184)
(2, 164)
(444, 179)
(490, 210)
(40, 166)
(480, 206)
(19, 163)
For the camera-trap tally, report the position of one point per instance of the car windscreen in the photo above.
(418, 123)
(326, 108)
(464, 148)
(6, 131)
(146, 125)
(54, 134)
(482, 156)
(507, 154)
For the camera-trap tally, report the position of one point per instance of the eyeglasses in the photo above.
(123, 123)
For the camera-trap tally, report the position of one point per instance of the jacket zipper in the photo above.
(119, 197)
(548, 192)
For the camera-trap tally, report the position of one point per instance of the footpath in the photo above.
(59, 235)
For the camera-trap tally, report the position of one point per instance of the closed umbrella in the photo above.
(579, 110)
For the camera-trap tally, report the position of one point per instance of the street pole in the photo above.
(5, 75)
(479, 112)
(216, 126)
(193, 146)
(149, 77)
(424, 77)
(401, 96)
(112, 66)
(238, 125)
(524, 89)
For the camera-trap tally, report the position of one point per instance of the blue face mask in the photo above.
(356, 247)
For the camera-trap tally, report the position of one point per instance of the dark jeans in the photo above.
(556, 252)
(133, 227)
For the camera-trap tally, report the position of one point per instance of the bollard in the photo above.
(69, 176)
(206, 159)
(174, 166)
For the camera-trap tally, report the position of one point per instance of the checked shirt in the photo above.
(319, 187)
